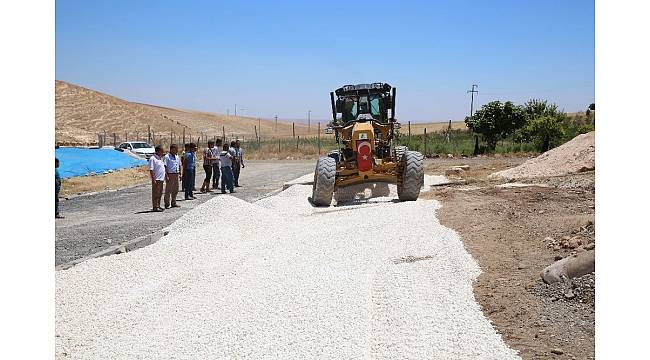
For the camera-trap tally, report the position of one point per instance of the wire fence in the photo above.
(273, 146)
(257, 146)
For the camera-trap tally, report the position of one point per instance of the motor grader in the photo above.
(366, 151)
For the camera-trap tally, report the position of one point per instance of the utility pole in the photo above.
(235, 110)
(471, 106)
(308, 122)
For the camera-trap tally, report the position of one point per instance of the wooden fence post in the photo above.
(449, 131)
(293, 129)
(149, 134)
(318, 138)
(297, 141)
(278, 147)
(223, 134)
(409, 133)
(425, 142)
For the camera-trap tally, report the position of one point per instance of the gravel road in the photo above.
(365, 279)
(96, 222)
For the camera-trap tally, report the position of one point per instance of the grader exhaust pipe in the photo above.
(333, 107)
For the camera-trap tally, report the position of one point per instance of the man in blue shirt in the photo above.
(57, 187)
(189, 171)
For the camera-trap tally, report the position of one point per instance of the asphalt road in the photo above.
(96, 222)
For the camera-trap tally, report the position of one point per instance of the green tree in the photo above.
(545, 131)
(545, 124)
(496, 120)
(535, 108)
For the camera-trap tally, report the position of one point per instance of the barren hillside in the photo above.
(82, 114)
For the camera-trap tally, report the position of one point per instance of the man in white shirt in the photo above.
(172, 173)
(157, 172)
(225, 159)
(216, 172)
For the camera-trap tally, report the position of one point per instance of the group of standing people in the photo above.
(218, 161)
(222, 161)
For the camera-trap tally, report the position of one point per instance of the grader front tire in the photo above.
(411, 177)
(324, 178)
(400, 150)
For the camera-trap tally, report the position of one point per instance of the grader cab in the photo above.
(366, 153)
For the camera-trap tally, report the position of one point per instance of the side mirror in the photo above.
(339, 105)
(388, 101)
(397, 125)
(329, 131)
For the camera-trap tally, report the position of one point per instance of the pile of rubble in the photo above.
(575, 156)
(580, 239)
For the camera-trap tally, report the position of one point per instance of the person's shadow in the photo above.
(145, 212)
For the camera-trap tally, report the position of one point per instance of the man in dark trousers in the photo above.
(172, 172)
(237, 161)
(189, 172)
(157, 172)
(57, 188)
(216, 173)
(225, 159)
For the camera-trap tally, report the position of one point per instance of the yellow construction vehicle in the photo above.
(366, 153)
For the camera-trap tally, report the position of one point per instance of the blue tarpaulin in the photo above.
(79, 162)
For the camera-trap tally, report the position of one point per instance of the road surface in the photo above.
(96, 222)
(366, 279)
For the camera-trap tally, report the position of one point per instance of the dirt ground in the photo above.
(115, 180)
(506, 231)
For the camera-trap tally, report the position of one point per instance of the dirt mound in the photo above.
(575, 156)
(83, 113)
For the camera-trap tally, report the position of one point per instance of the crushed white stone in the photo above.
(281, 279)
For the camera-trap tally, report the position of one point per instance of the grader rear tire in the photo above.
(324, 177)
(411, 177)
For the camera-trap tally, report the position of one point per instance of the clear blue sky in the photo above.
(281, 57)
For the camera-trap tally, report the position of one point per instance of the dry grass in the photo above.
(116, 180)
(418, 128)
